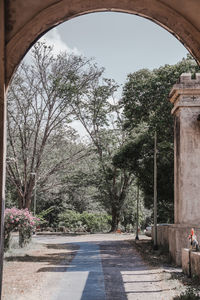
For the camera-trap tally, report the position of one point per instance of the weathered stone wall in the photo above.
(185, 96)
(27, 20)
(195, 263)
(174, 238)
(178, 239)
(191, 262)
(185, 258)
(162, 235)
(186, 99)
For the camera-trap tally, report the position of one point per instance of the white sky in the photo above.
(122, 43)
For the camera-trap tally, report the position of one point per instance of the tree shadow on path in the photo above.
(126, 276)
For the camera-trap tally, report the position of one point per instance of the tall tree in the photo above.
(38, 118)
(100, 115)
(146, 110)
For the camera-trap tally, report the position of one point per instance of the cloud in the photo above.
(53, 38)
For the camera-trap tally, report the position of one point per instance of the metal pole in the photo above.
(155, 192)
(137, 217)
(2, 134)
(35, 195)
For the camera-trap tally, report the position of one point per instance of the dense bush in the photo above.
(89, 222)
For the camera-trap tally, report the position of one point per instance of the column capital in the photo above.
(186, 93)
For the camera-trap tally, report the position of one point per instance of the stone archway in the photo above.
(23, 22)
(23, 29)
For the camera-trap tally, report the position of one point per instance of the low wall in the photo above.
(175, 237)
(178, 239)
(195, 263)
(186, 266)
(191, 262)
(162, 235)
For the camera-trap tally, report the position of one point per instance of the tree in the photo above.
(71, 188)
(100, 116)
(38, 118)
(44, 98)
(146, 110)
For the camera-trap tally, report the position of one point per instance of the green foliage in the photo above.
(90, 222)
(95, 222)
(145, 96)
(49, 208)
(146, 110)
(189, 294)
(45, 155)
(129, 211)
(137, 157)
(11, 196)
(43, 215)
(100, 117)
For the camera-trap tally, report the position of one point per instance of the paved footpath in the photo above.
(107, 267)
(84, 277)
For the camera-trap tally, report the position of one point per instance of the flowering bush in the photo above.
(21, 220)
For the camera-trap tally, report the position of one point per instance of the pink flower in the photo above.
(17, 219)
(11, 216)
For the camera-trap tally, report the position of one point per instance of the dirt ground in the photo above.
(160, 258)
(27, 272)
(22, 276)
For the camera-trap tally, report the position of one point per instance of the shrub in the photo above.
(23, 221)
(189, 294)
(90, 222)
(70, 219)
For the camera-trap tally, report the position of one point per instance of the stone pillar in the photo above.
(2, 133)
(186, 99)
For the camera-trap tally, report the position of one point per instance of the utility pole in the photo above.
(137, 216)
(155, 242)
(3, 110)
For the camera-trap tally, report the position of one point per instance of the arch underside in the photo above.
(23, 30)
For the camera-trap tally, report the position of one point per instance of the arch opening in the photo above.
(48, 17)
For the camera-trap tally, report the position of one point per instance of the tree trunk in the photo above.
(115, 220)
(24, 203)
(7, 240)
(24, 237)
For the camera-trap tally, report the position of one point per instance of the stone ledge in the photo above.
(185, 86)
(187, 77)
(178, 239)
(190, 262)
(185, 257)
(195, 263)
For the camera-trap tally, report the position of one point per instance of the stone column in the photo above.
(2, 133)
(186, 99)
